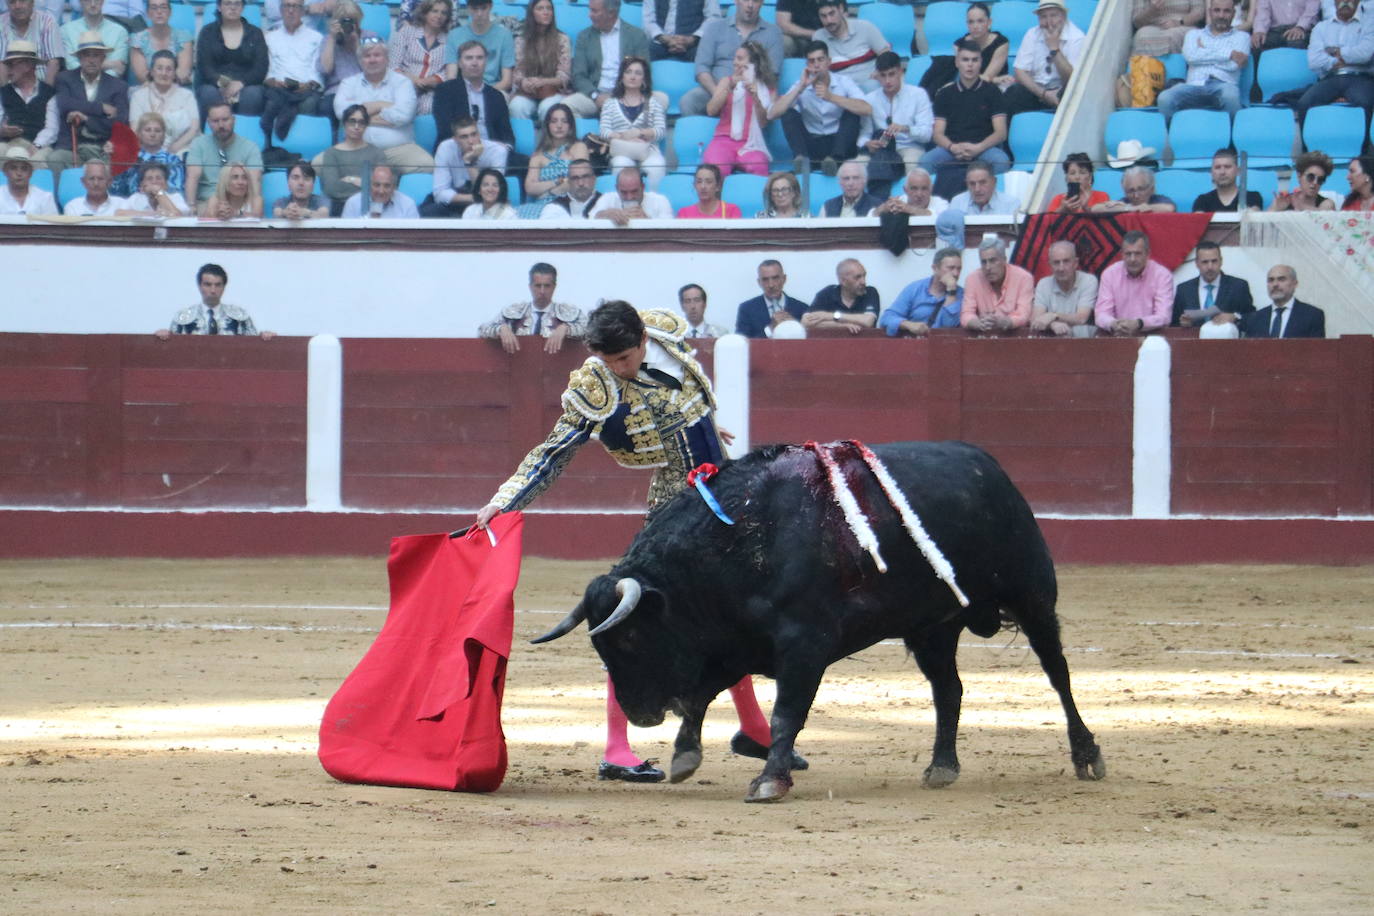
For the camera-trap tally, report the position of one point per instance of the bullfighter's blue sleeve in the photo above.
(545, 462)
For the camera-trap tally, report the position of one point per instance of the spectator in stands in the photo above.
(212, 315)
(231, 61)
(417, 50)
(160, 36)
(538, 316)
(293, 85)
(1079, 197)
(1211, 292)
(715, 58)
(1341, 53)
(390, 102)
(1360, 176)
(998, 296)
(344, 164)
(1161, 25)
(491, 199)
(384, 201)
(674, 29)
(1215, 57)
(798, 21)
(741, 100)
(495, 39)
(1285, 315)
(175, 103)
(982, 197)
(597, 53)
(1064, 300)
(854, 43)
(1282, 23)
(97, 201)
(543, 63)
(210, 152)
(782, 198)
(468, 96)
(1138, 194)
(1046, 60)
(110, 34)
(24, 111)
(1135, 295)
(692, 300)
(854, 199)
(1312, 169)
(128, 13)
(152, 131)
(970, 124)
(918, 199)
(758, 317)
(707, 183)
(629, 201)
(1225, 195)
(899, 125)
(634, 122)
(456, 164)
(37, 29)
(547, 176)
(850, 305)
(930, 302)
(995, 46)
(18, 197)
(339, 50)
(581, 197)
(153, 198)
(301, 201)
(89, 101)
(821, 113)
(236, 196)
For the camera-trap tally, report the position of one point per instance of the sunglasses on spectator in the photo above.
(1318, 177)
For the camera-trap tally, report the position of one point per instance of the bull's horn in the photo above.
(629, 592)
(566, 625)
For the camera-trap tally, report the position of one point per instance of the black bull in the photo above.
(786, 591)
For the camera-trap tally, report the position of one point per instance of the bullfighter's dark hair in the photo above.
(211, 270)
(614, 327)
(547, 270)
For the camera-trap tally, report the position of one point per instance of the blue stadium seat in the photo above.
(605, 183)
(691, 135)
(1147, 126)
(1196, 133)
(1262, 180)
(792, 68)
(1109, 181)
(69, 186)
(1014, 18)
(377, 18)
(273, 187)
(585, 126)
(252, 12)
(1337, 130)
(1182, 186)
(419, 185)
(1338, 182)
(1282, 69)
(1027, 135)
(1265, 135)
(1081, 13)
(309, 136)
(426, 132)
(823, 187)
(677, 187)
(573, 19)
(916, 68)
(1175, 67)
(524, 135)
(183, 17)
(515, 189)
(897, 23)
(674, 77)
(945, 23)
(744, 191)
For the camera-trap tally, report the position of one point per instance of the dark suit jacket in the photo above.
(451, 103)
(586, 62)
(865, 204)
(1306, 321)
(752, 318)
(1233, 295)
(71, 96)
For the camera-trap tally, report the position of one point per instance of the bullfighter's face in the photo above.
(626, 363)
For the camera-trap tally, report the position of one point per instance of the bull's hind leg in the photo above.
(935, 655)
(1042, 631)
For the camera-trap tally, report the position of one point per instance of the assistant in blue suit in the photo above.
(755, 316)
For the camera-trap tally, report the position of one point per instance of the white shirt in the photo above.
(1355, 39)
(580, 210)
(38, 203)
(1034, 55)
(400, 207)
(656, 357)
(394, 88)
(822, 118)
(81, 206)
(911, 108)
(292, 55)
(936, 206)
(610, 59)
(139, 201)
(654, 205)
(1209, 56)
(475, 211)
(998, 204)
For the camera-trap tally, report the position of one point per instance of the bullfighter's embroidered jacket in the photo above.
(519, 317)
(229, 319)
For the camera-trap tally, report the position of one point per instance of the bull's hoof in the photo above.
(745, 746)
(768, 789)
(685, 763)
(1093, 769)
(940, 777)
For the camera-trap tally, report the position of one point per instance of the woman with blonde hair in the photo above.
(417, 50)
(151, 129)
(634, 122)
(235, 197)
(543, 63)
(742, 100)
(782, 198)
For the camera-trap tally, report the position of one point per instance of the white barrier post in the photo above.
(732, 390)
(1152, 448)
(324, 423)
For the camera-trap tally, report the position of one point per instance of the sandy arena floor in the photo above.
(158, 729)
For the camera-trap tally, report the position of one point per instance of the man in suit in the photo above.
(468, 96)
(854, 199)
(1211, 292)
(758, 317)
(1285, 316)
(593, 72)
(90, 122)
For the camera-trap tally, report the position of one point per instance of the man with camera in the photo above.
(293, 84)
(338, 58)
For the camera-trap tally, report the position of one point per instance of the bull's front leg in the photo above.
(687, 747)
(797, 686)
(935, 655)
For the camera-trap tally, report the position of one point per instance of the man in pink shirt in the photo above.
(999, 296)
(1135, 295)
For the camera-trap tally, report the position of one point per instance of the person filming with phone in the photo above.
(1079, 196)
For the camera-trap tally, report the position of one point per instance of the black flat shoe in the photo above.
(645, 772)
(745, 746)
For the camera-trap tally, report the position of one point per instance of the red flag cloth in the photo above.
(126, 147)
(1098, 238)
(423, 707)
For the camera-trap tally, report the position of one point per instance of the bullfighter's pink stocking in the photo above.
(617, 737)
(751, 720)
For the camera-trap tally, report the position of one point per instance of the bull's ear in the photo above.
(565, 626)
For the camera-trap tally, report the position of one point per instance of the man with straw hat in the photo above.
(113, 35)
(89, 103)
(38, 27)
(17, 196)
(24, 101)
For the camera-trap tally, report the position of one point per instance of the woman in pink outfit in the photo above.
(741, 100)
(709, 205)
